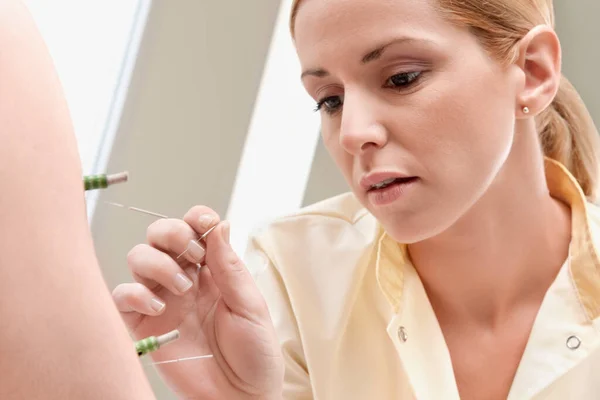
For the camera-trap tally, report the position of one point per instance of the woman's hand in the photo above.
(217, 309)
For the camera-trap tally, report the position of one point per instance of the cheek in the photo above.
(465, 126)
(341, 158)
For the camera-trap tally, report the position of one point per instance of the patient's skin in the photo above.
(61, 336)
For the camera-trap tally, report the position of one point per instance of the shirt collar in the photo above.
(584, 260)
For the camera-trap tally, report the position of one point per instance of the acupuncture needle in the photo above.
(200, 239)
(102, 181)
(180, 360)
(141, 210)
(153, 343)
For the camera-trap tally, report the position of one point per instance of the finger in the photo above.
(201, 219)
(137, 298)
(134, 300)
(231, 276)
(152, 267)
(174, 236)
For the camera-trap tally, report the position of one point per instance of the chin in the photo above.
(413, 222)
(404, 227)
(405, 235)
(415, 228)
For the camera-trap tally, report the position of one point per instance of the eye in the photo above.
(403, 79)
(330, 104)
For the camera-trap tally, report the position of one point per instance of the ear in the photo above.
(539, 57)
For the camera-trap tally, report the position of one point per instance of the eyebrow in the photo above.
(371, 56)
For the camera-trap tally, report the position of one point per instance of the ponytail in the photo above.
(569, 136)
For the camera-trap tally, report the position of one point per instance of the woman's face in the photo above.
(405, 95)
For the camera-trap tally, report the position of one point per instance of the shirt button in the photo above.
(402, 334)
(573, 342)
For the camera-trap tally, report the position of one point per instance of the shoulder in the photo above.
(593, 213)
(336, 231)
(318, 223)
(316, 259)
(343, 209)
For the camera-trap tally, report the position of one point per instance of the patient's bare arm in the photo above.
(61, 336)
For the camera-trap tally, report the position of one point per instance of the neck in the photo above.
(504, 253)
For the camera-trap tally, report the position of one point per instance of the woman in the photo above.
(60, 334)
(464, 262)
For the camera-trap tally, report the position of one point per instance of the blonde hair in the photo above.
(566, 130)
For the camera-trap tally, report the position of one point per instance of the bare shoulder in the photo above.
(29, 86)
(34, 118)
(39, 148)
(19, 34)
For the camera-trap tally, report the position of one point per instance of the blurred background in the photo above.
(200, 100)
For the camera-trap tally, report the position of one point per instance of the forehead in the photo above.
(336, 28)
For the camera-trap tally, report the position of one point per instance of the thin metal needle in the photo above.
(181, 359)
(140, 210)
(200, 239)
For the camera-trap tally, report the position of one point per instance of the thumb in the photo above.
(232, 278)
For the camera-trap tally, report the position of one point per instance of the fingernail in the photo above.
(206, 220)
(195, 251)
(182, 283)
(157, 305)
(226, 231)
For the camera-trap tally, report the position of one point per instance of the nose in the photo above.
(361, 128)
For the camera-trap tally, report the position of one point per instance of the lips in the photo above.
(381, 180)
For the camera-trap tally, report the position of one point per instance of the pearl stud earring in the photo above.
(525, 110)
